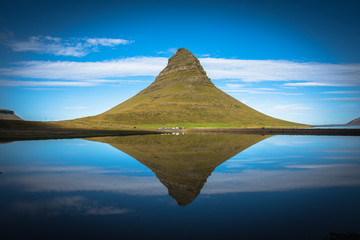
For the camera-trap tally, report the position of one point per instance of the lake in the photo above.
(193, 186)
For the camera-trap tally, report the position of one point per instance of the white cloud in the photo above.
(342, 92)
(341, 99)
(75, 108)
(169, 51)
(273, 70)
(9, 83)
(108, 42)
(255, 91)
(76, 47)
(41, 88)
(70, 70)
(232, 86)
(318, 84)
(294, 73)
(290, 107)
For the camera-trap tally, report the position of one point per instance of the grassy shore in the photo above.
(11, 130)
(283, 131)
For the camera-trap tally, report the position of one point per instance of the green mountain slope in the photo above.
(183, 95)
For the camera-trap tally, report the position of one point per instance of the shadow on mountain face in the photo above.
(182, 163)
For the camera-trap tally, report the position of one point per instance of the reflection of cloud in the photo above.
(66, 205)
(48, 169)
(107, 211)
(302, 176)
(343, 157)
(79, 181)
(314, 166)
(67, 169)
(289, 141)
(338, 150)
(261, 159)
(283, 180)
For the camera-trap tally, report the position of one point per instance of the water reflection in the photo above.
(281, 187)
(182, 163)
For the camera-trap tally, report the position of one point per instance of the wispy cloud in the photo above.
(77, 47)
(71, 70)
(341, 99)
(293, 73)
(10, 83)
(234, 86)
(75, 108)
(169, 51)
(66, 205)
(41, 88)
(255, 91)
(319, 84)
(273, 70)
(290, 107)
(342, 92)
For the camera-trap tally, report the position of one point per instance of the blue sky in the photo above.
(294, 60)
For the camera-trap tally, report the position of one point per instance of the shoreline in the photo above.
(47, 134)
(284, 131)
(11, 130)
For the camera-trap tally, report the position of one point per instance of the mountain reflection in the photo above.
(182, 163)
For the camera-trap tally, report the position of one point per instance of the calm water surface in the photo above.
(194, 186)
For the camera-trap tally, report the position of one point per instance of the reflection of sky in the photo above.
(283, 163)
(279, 163)
(294, 185)
(67, 156)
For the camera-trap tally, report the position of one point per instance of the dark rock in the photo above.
(8, 115)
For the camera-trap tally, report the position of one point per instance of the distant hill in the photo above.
(8, 115)
(356, 121)
(183, 95)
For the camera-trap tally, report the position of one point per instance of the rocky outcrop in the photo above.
(8, 115)
(354, 122)
(185, 67)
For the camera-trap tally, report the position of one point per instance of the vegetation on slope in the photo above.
(182, 95)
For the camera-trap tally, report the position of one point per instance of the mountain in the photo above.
(356, 121)
(8, 115)
(183, 95)
(182, 163)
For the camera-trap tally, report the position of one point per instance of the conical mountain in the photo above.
(183, 95)
(182, 163)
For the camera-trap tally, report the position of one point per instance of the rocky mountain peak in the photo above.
(183, 65)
